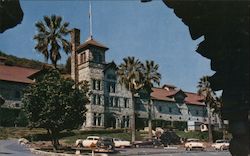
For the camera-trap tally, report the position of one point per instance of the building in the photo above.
(13, 80)
(110, 102)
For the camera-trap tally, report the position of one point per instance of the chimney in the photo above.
(75, 42)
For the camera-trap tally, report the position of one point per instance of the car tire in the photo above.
(122, 146)
(221, 148)
(137, 146)
(188, 149)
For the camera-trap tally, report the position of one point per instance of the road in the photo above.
(172, 152)
(12, 148)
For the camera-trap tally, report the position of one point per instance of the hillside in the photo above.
(21, 62)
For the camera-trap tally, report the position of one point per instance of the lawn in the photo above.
(68, 137)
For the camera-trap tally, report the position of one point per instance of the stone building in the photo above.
(110, 102)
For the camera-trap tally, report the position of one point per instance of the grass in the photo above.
(19, 132)
(67, 137)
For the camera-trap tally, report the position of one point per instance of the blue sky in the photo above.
(148, 31)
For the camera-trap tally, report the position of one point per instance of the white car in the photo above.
(221, 145)
(121, 143)
(88, 142)
(194, 144)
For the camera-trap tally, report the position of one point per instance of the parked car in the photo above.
(89, 141)
(121, 143)
(148, 143)
(194, 144)
(105, 144)
(170, 138)
(221, 145)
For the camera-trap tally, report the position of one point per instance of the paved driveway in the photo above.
(12, 148)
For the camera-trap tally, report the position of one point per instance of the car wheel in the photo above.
(221, 148)
(188, 149)
(122, 146)
(137, 146)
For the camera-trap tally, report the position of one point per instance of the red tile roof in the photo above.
(166, 95)
(194, 98)
(16, 74)
(91, 41)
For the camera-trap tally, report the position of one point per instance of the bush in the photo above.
(8, 117)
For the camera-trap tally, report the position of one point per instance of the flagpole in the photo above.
(90, 20)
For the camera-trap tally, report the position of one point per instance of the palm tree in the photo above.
(129, 75)
(205, 90)
(150, 77)
(50, 38)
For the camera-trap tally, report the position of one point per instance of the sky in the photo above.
(147, 31)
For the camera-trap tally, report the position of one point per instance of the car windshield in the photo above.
(221, 141)
(193, 140)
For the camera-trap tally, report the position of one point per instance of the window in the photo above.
(97, 119)
(98, 84)
(81, 58)
(99, 99)
(111, 87)
(125, 102)
(93, 84)
(116, 102)
(94, 99)
(127, 125)
(170, 110)
(160, 108)
(111, 101)
(17, 94)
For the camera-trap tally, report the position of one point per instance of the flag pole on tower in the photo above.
(90, 21)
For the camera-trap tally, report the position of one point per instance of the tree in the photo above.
(53, 103)
(129, 75)
(150, 76)
(209, 95)
(50, 38)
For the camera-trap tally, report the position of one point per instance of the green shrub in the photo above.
(8, 116)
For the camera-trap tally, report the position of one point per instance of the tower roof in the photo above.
(92, 42)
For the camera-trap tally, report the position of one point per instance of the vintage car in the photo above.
(192, 144)
(105, 144)
(148, 143)
(121, 143)
(89, 141)
(221, 145)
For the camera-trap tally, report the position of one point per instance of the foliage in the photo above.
(210, 100)
(8, 116)
(150, 76)
(50, 38)
(129, 75)
(21, 62)
(206, 91)
(53, 103)
(22, 120)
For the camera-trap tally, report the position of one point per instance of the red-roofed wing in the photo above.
(16, 74)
